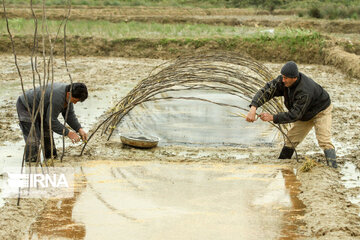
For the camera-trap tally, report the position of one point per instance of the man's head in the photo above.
(78, 92)
(290, 73)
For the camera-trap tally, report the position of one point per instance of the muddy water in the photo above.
(56, 221)
(149, 200)
(197, 122)
(351, 179)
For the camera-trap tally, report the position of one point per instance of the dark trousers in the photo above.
(32, 138)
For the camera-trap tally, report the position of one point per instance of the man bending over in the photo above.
(308, 106)
(60, 102)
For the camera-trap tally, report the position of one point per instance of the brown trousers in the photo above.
(321, 122)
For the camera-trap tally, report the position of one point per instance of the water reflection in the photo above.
(294, 214)
(143, 200)
(56, 220)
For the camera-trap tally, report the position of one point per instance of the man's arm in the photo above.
(74, 123)
(295, 113)
(71, 118)
(271, 89)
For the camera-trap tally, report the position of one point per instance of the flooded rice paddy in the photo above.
(119, 195)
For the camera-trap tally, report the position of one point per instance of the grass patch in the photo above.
(133, 30)
(109, 30)
(288, 37)
(171, 40)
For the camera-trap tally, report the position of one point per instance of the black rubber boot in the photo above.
(286, 152)
(330, 156)
(31, 152)
(47, 143)
(33, 160)
(48, 147)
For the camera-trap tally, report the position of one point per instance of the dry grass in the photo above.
(308, 165)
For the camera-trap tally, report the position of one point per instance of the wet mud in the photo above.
(330, 210)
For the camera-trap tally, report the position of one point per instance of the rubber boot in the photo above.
(31, 151)
(330, 156)
(48, 147)
(286, 152)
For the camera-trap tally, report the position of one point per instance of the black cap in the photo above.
(290, 70)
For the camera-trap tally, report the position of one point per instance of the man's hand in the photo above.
(74, 137)
(251, 116)
(83, 134)
(266, 117)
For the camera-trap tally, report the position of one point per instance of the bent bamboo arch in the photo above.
(226, 72)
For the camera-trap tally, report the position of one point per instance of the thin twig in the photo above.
(71, 81)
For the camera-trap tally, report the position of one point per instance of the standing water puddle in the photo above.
(351, 179)
(148, 200)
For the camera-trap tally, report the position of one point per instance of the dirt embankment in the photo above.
(230, 17)
(342, 55)
(93, 12)
(261, 49)
(347, 62)
(271, 50)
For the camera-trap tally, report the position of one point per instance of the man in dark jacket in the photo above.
(309, 106)
(61, 99)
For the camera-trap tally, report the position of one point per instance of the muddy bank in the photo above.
(329, 213)
(347, 62)
(230, 17)
(306, 49)
(96, 12)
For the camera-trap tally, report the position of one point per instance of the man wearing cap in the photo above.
(61, 100)
(308, 105)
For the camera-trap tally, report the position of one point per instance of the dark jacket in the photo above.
(304, 99)
(58, 101)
